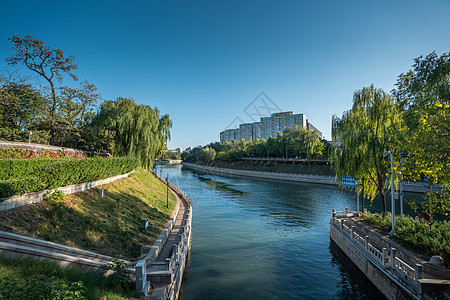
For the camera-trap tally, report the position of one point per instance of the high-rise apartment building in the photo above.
(268, 127)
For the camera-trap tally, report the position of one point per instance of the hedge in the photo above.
(20, 176)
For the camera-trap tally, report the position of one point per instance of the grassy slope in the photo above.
(97, 286)
(112, 225)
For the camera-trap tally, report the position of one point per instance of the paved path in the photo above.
(174, 236)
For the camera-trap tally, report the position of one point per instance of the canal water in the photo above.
(255, 239)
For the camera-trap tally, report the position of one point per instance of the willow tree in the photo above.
(138, 130)
(362, 135)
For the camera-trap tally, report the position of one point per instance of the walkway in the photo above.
(177, 229)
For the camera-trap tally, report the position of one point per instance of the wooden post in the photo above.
(333, 215)
(346, 211)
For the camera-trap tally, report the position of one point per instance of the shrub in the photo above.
(18, 176)
(41, 287)
(417, 235)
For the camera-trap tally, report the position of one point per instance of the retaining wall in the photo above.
(264, 175)
(36, 197)
(368, 267)
(408, 186)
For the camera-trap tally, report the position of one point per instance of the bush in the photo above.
(41, 287)
(18, 176)
(416, 235)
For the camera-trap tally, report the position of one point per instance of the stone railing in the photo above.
(176, 263)
(385, 257)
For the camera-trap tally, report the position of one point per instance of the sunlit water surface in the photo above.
(255, 239)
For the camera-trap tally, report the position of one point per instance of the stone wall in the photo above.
(368, 267)
(413, 187)
(264, 175)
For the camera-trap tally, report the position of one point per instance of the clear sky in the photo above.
(203, 62)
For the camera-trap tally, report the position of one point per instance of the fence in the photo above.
(386, 258)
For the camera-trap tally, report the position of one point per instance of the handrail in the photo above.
(386, 257)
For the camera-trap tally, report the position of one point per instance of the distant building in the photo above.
(310, 127)
(268, 127)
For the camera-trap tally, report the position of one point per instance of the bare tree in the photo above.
(49, 63)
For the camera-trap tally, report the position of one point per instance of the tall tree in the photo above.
(48, 62)
(138, 130)
(424, 94)
(365, 132)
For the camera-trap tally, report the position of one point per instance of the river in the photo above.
(255, 239)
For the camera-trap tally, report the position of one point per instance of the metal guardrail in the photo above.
(386, 257)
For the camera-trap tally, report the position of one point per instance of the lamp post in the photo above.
(400, 185)
(167, 183)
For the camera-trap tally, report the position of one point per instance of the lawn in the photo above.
(112, 225)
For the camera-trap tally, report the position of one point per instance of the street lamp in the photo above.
(167, 183)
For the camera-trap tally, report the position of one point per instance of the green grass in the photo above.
(416, 235)
(20, 278)
(112, 225)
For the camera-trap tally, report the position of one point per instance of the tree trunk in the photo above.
(382, 196)
(53, 115)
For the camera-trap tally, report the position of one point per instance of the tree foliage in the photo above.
(424, 95)
(48, 63)
(137, 130)
(365, 132)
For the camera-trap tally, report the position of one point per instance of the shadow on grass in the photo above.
(112, 225)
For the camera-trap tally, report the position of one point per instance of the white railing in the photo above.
(387, 258)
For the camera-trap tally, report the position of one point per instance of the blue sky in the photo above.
(203, 62)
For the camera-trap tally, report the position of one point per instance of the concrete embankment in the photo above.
(413, 187)
(395, 271)
(319, 179)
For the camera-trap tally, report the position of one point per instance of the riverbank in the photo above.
(319, 179)
(396, 271)
(278, 167)
(112, 225)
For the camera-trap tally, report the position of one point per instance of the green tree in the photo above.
(424, 94)
(301, 141)
(137, 130)
(207, 155)
(364, 133)
(49, 63)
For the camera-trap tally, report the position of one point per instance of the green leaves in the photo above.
(20, 176)
(137, 130)
(363, 134)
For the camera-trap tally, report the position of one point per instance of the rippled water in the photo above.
(255, 239)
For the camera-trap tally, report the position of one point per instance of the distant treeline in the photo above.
(293, 142)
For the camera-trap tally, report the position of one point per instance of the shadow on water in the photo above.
(353, 283)
(222, 186)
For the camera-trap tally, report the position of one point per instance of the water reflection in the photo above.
(221, 186)
(353, 283)
(257, 239)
